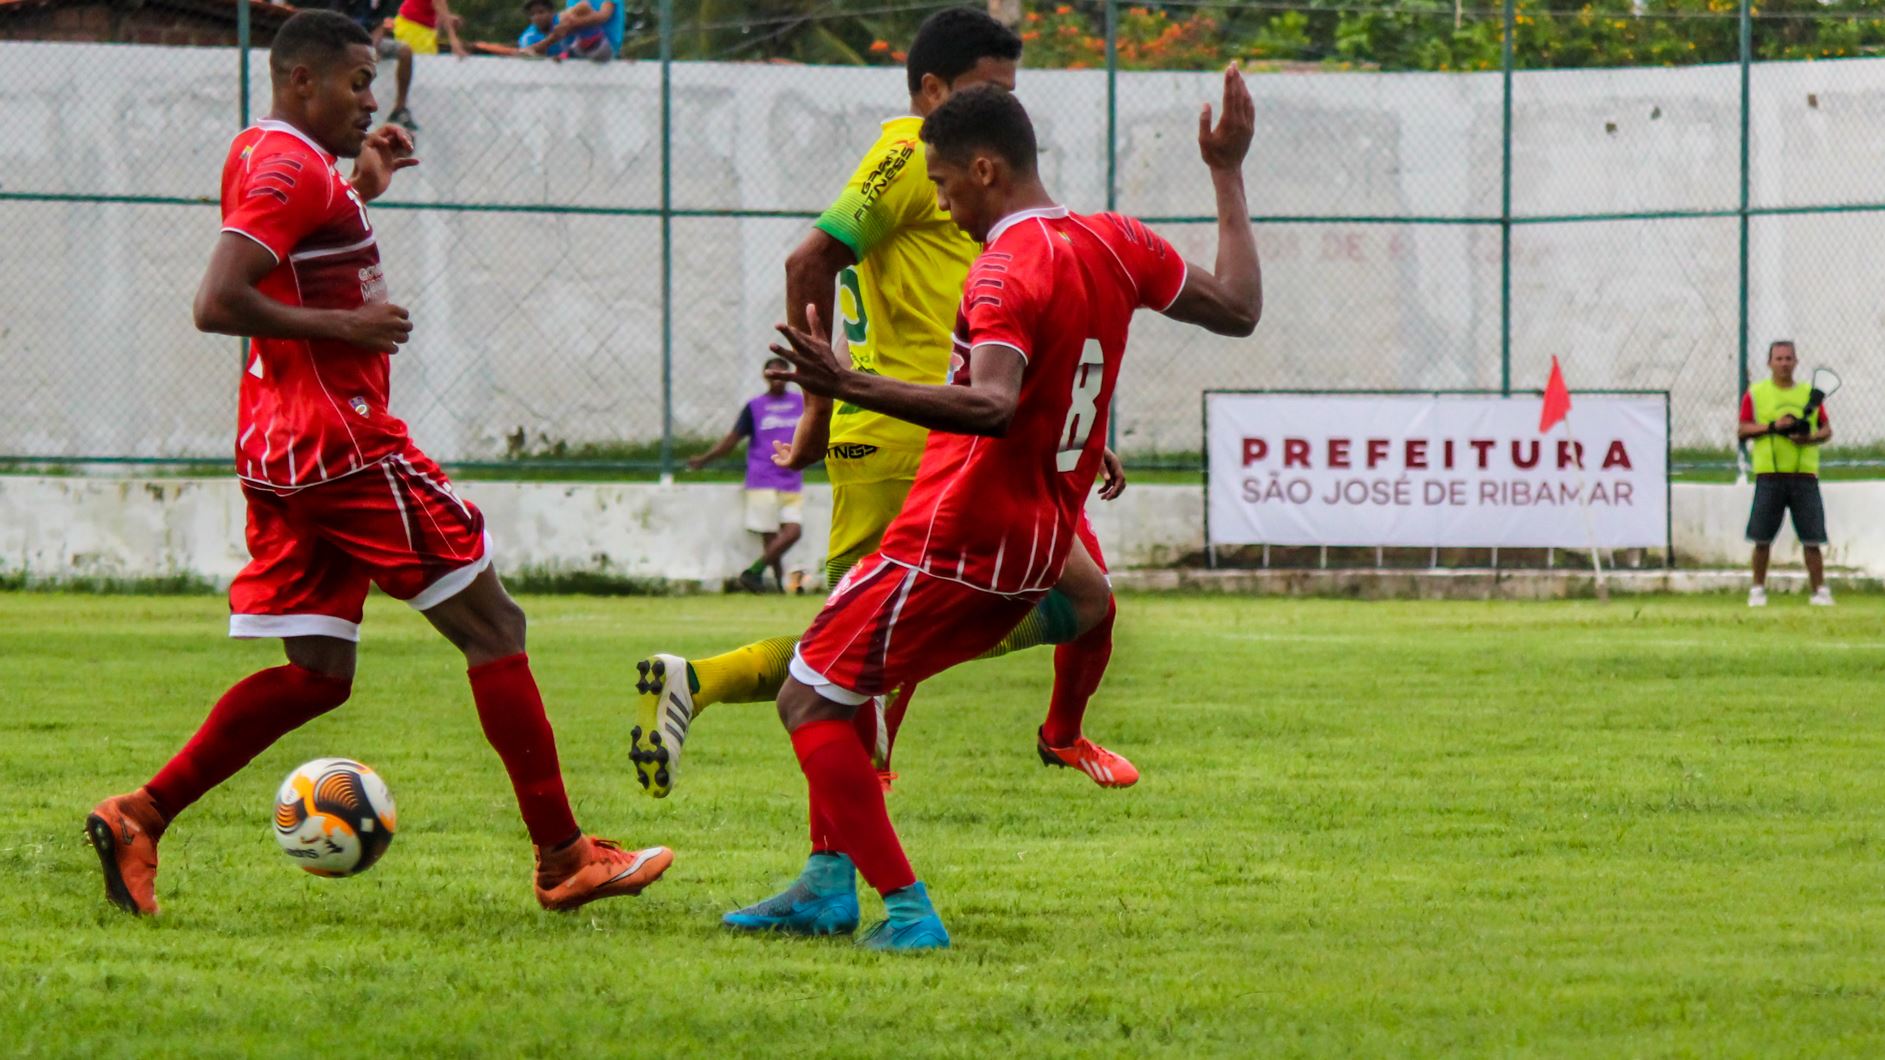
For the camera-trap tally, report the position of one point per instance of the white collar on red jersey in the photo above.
(1045, 212)
(271, 125)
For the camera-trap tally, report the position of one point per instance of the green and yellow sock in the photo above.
(751, 673)
(1051, 622)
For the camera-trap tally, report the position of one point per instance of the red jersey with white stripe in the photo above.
(999, 514)
(311, 410)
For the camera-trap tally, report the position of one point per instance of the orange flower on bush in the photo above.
(878, 47)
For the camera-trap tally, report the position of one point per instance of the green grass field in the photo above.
(1644, 828)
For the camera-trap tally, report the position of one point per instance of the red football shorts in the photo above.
(888, 626)
(397, 524)
(1084, 531)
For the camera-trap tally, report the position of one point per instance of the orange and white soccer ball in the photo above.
(334, 817)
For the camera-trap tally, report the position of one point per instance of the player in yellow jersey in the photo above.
(894, 264)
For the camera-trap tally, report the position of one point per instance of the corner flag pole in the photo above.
(1583, 504)
(1557, 409)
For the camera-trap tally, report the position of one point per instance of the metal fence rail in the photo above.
(593, 253)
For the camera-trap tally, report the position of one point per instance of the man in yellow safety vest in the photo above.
(1786, 439)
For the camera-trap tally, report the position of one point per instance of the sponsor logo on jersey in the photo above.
(880, 178)
(372, 283)
(359, 405)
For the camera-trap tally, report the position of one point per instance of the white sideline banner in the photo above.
(1459, 471)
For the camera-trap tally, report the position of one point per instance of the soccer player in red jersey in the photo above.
(1014, 446)
(338, 495)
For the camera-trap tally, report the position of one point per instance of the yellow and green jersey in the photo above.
(897, 305)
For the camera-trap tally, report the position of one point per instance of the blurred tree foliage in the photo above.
(1356, 34)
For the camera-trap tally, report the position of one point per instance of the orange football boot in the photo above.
(124, 829)
(1107, 769)
(589, 869)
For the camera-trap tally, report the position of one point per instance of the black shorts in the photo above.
(1775, 496)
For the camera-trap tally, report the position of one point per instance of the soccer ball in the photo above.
(334, 817)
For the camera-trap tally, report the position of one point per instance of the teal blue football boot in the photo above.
(822, 901)
(912, 924)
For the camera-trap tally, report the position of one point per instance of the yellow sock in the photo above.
(751, 673)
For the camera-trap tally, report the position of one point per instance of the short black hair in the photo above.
(314, 38)
(982, 116)
(1777, 344)
(528, 4)
(776, 359)
(950, 42)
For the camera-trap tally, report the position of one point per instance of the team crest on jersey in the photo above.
(359, 405)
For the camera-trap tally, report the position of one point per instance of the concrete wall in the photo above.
(549, 324)
(54, 529)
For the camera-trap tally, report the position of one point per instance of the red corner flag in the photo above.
(1557, 399)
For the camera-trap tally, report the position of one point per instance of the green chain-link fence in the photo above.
(593, 253)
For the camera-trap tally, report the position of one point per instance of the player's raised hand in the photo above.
(1225, 146)
(380, 326)
(1114, 473)
(385, 151)
(815, 368)
(394, 146)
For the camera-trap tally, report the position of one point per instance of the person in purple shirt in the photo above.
(772, 492)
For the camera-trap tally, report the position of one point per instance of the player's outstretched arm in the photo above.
(1228, 299)
(811, 278)
(229, 303)
(447, 21)
(720, 449)
(986, 406)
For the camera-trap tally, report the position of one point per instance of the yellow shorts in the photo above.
(868, 487)
(423, 40)
(768, 510)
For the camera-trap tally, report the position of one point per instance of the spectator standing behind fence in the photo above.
(1786, 469)
(772, 492)
(593, 29)
(535, 39)
(376, 17)
(418, 24)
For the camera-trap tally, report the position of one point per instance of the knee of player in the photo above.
(790, 532)
(494, 632)
(1090, 614)
(1090, 600)
(508, 625)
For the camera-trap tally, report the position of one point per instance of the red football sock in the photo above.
(511, 710)
(1079, 665)
(824, 836)
(844, 788)
(258, 710)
